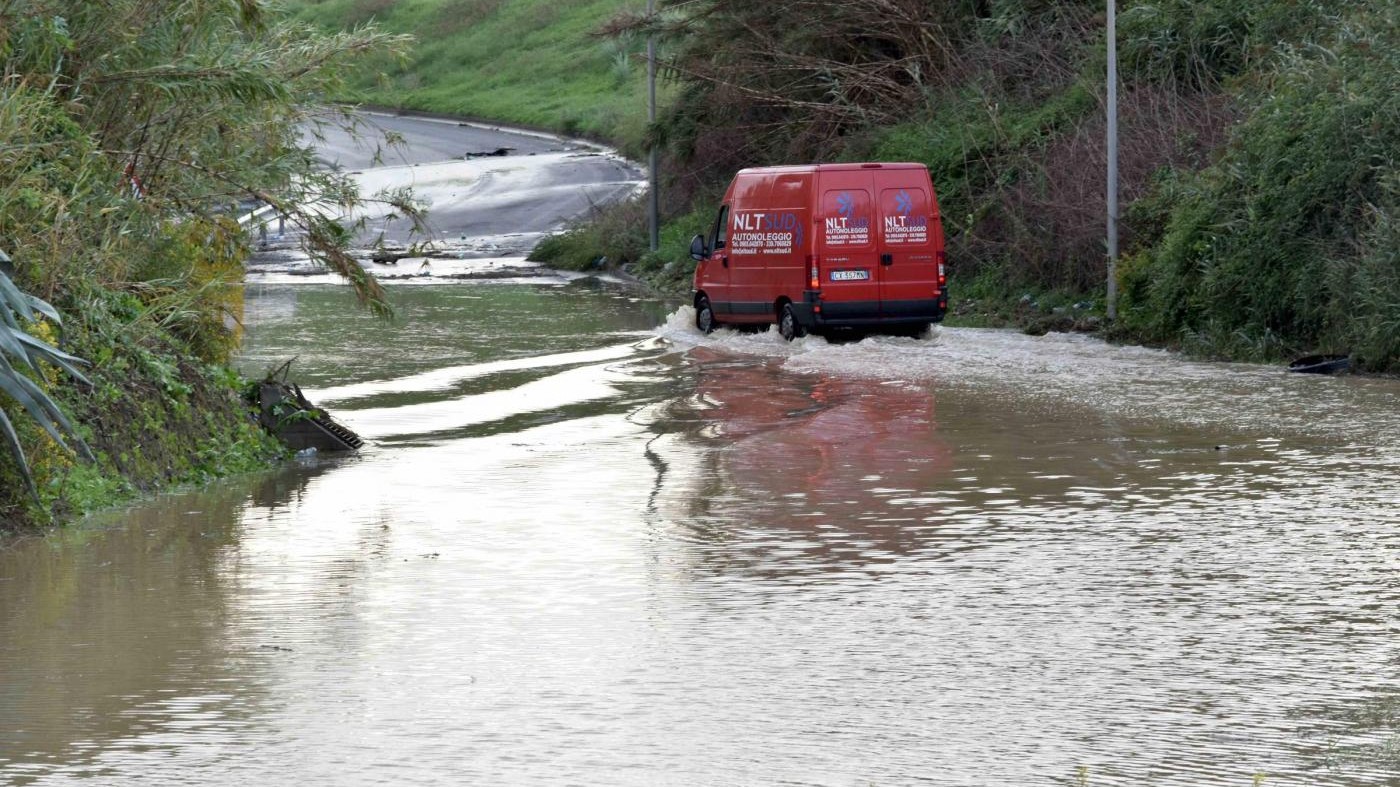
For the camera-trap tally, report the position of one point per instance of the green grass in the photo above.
(533, 62)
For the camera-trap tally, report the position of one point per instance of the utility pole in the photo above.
(653, 197)
(1112, 161)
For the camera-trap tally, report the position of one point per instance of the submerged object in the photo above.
(286, 412)
(1321, 364)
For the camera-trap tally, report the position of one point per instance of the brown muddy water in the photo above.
(589, 546)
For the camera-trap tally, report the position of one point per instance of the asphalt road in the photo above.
(425, 141)
(490, 193)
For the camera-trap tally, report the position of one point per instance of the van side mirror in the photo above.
(697, 248)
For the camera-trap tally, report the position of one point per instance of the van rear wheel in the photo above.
(705, 316)
(788, 326)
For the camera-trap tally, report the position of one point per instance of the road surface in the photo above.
(491, 195)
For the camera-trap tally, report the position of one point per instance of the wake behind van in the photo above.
(823, 247)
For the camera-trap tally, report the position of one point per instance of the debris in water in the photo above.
(286, 412)
(1321, 364)
(486, 153)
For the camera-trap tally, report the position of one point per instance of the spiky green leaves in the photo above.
(20, 351)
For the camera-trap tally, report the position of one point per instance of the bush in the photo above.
(27, 354)
(608, 235)
(127, 151)
(1369, 315)
(1281, 246)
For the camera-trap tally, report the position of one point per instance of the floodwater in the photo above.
(587, 545)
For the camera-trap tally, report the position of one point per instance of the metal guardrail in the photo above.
(261, 217)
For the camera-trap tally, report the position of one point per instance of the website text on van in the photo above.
(824, 247)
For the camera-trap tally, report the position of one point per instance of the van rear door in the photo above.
(908, 245)
(846, 245)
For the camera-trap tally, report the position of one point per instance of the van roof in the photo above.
(804, 168)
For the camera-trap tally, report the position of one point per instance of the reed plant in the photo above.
(133, 134)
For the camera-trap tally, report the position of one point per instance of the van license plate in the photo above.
(859, 275)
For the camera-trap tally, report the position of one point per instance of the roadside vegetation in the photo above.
(1258, 141)
(1258, 160)
(133, 133)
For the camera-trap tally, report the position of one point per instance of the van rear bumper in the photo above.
(867, 314)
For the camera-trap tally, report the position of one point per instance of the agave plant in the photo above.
(20, 351)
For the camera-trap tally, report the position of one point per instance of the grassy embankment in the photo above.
(130, 132)
(1259, 140)
(537, 63)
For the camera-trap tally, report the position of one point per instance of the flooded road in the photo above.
(589, 546)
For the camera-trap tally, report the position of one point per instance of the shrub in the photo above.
(608, 235)
(1287, 241)
(20, 352)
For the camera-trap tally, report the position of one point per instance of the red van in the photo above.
(822, 247)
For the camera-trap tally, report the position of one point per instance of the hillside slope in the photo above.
(1258, 139)
(532, 62)
(1257, 159)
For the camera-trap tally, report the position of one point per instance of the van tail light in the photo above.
(814, 268)
(942, 276)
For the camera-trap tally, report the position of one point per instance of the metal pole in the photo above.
(654, 198)
(1112, 162)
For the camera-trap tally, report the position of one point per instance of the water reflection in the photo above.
(107, 636)
(788, 463)
(1079, 571)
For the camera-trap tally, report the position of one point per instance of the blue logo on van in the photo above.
(902, 203)
(845, 205)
